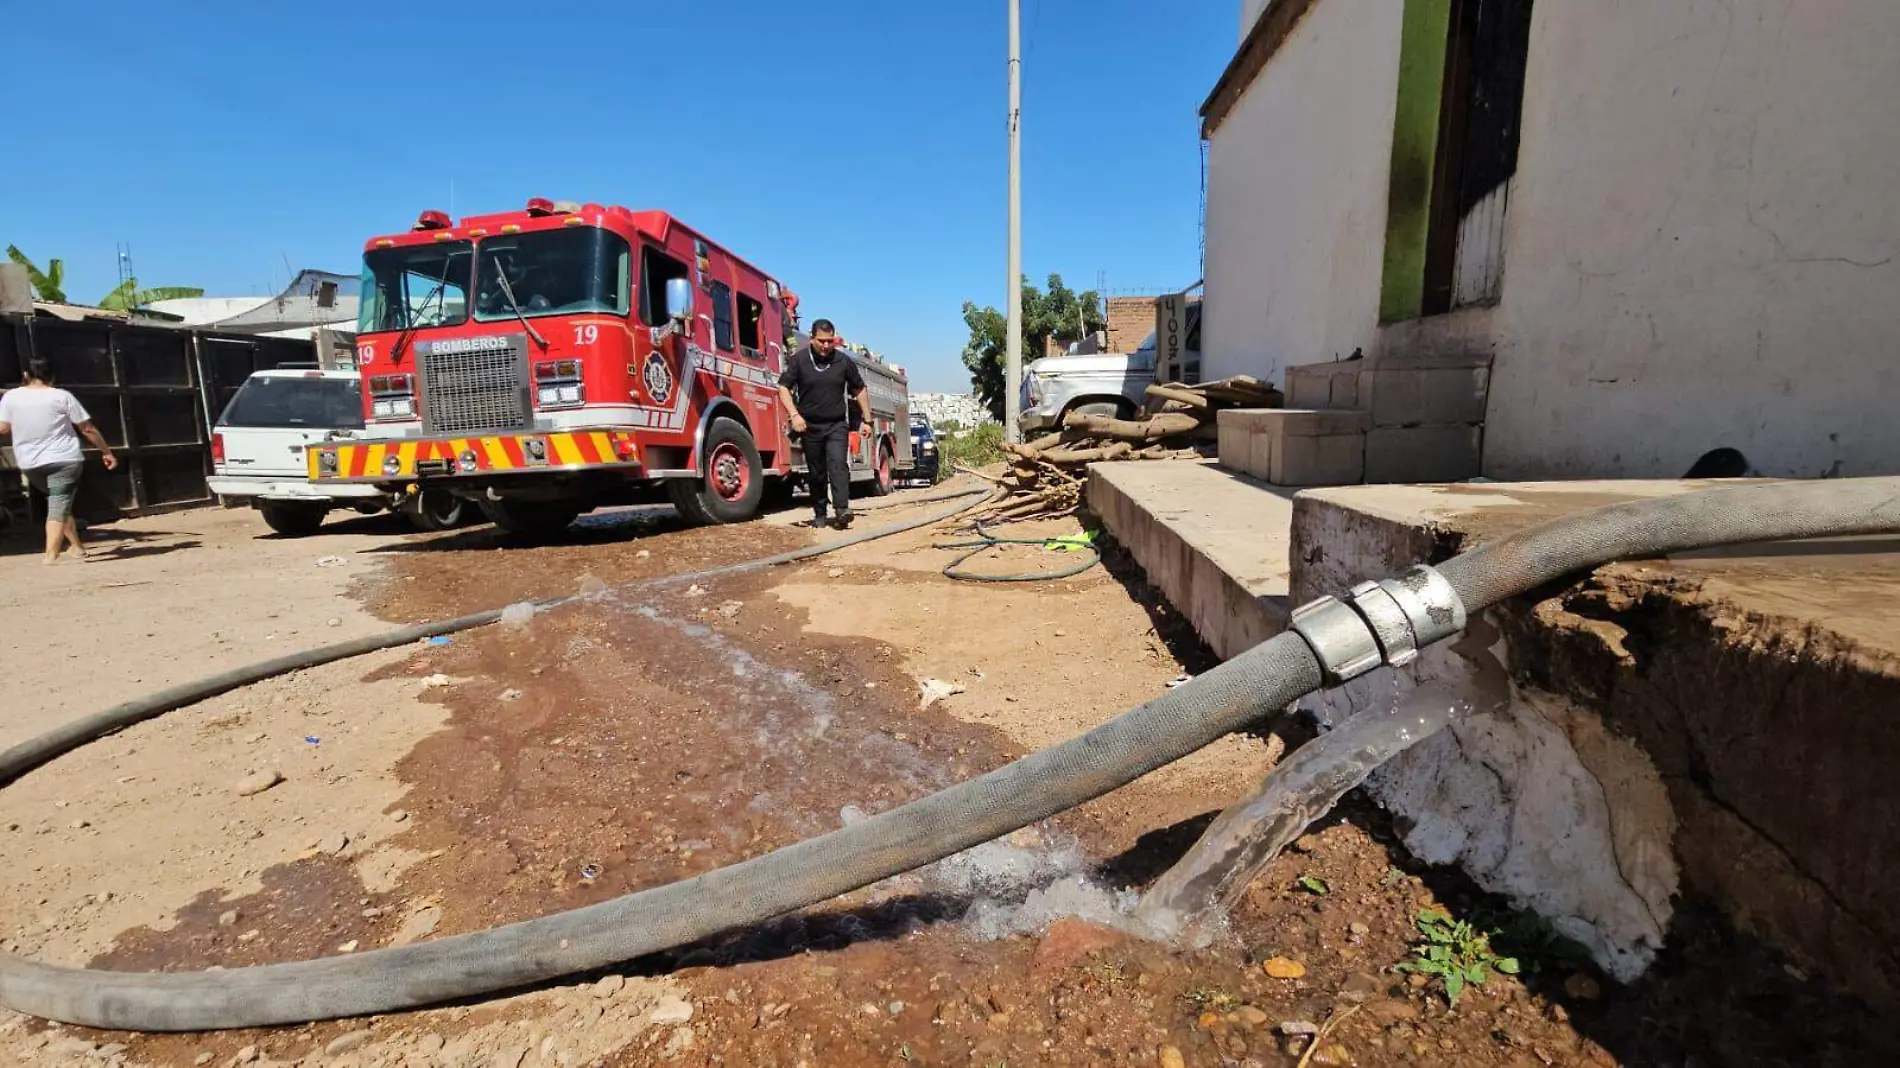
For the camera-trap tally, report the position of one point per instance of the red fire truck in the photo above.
(548, 361)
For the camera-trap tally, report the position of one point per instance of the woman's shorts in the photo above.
(60, 483)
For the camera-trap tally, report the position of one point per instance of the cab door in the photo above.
(661, 383)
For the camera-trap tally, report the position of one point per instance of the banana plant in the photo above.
(45, 283)
(129, 297)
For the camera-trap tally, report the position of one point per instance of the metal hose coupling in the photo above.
(1379, 623)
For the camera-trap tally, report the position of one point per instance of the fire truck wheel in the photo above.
(885, 483)
(433, 510)
(292, 520)
(536, 519)
(734, 481)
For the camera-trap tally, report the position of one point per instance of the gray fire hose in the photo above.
(1329, 642)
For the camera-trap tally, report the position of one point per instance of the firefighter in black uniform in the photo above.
(817, 388)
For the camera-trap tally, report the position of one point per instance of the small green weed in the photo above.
(1456, 953)
(1313, 884)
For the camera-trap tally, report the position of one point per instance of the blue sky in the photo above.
(854, 149)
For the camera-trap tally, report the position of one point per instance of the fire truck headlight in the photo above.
(558, 396)
(383, 409)
(403, 407)
(392, 465)
(467, 461)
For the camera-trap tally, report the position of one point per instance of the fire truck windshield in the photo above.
(415, 286)
(553, 272)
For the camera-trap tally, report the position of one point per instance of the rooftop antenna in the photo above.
(125, 268)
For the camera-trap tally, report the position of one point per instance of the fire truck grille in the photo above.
(466, 392)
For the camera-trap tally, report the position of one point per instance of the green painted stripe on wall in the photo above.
(1426, 30)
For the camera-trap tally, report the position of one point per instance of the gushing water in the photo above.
(1190, 903)
(1018, 884)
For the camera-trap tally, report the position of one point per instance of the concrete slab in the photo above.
(1213, 541)
(1723, 723)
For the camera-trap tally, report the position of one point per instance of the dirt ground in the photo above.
(651, 734)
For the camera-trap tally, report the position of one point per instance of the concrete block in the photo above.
(1245, 448)
(1423, 453)
(1408, 395)
(1295, 447)
(1319, 460)
(1468, 335)
(1345, 391)
(1309, 386)
(1324, 385)
(1296, 422)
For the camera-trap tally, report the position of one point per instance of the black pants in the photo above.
(828, 461)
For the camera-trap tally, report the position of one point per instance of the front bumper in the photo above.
(268, 488)
(406, 459)
(1042, 418)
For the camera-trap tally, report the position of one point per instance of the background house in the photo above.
(1571, 238)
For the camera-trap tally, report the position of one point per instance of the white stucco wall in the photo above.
(1296, 196)
(1704, 241)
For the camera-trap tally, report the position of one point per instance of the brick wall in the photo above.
(1130, 321)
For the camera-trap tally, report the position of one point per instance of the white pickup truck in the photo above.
(257, 453)
(1113, 384)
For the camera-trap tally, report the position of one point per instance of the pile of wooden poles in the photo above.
(1045, 476)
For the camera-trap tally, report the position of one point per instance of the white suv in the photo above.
(257, 452)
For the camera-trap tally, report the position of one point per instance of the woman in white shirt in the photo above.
(46, 423)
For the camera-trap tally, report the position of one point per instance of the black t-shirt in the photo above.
(822, 388)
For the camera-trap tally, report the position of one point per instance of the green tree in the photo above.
(45, 283)
(1059, 313)
(129, 297)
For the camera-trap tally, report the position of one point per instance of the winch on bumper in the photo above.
(406, 459)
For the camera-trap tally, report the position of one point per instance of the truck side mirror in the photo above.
(679, 298)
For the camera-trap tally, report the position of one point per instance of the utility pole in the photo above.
(1013, 359)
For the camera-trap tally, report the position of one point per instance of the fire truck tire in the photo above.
(292, 520)
(534, 519)
(884, 480)
(684, 493)
(734, 482)
(433, 510)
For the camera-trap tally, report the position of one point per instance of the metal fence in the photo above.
(152, 391)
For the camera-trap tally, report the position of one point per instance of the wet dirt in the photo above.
(611, 746)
